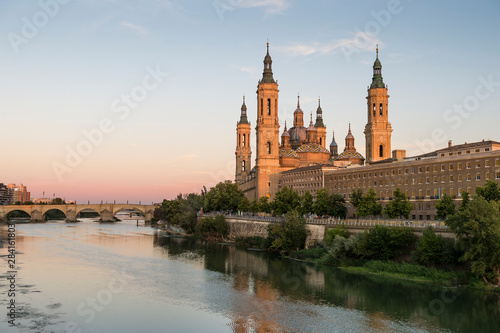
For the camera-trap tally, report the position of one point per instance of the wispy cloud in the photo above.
(360, 41)
(271, 7)
(135, 28)
(249, 70)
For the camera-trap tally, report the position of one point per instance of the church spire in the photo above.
(243, 116)
(267, 75)
(377, 81)
(319, 115)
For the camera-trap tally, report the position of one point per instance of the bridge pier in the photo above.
(148, 216)
(107, 216)
(71, 216)
(36, 215)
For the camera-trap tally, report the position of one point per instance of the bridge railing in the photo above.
(362, 223)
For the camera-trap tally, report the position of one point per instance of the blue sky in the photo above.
(63, 78)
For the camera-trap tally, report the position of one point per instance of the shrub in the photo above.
(383, 243)
(341, 230)
(213, 227)
(288, 236)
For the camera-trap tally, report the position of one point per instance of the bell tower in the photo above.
(243, 150)
(378, 129)
(267, 161)
(320, 126)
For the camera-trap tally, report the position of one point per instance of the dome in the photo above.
(285, 133)
(334, 144)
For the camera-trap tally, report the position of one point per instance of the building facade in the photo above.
(425, 178)
(19, 193)
(5, 195)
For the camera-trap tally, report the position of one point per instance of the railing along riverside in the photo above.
(337, 221)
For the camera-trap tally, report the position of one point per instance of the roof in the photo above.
(311, 167)
(312, 148)
(288, 152)
(349, 154)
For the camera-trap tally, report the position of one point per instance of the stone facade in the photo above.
(425, 178)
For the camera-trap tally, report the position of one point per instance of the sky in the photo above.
(118, 100)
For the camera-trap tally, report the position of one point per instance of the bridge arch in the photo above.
(54, 214)
(17, 213)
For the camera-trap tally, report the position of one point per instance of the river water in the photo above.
(120, 277)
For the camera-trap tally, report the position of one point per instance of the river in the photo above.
(120, 277)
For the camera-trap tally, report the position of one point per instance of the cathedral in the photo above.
(302, 146)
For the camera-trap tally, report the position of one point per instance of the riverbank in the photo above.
(394, 270)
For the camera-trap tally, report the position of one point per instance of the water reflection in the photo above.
(384, 302)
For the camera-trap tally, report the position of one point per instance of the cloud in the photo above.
(249, 70)
(135, 28)
(271, 7)
(360, 41)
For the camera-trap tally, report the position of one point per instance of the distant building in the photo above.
(5, 196)
(19, 193)
(38, 201)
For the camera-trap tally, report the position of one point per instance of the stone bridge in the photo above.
(105, 211)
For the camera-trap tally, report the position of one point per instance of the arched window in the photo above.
(269, 147)
(374, 110)
(381, 151)
(243, 165)
(268, 106)
(239, 140)
(261, 107)
(381, 109)
(244, 139)
(320, 141)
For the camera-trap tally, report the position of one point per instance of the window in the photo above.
(459, 166)
(487, 163)
(420, 180)
(478, 164)
(451, 178)
(244, 139)
(467, 152)
(381, 110)
(435, 179)
(435, 192)
(420, 170)
(497, 162)
(469, 178)
(451, 167)
(374, 110)
(261, 107)
(478, 176)
(442, 167)
(243, 165)
(269, 147)
(427, 169)
(442, 179)
(459, 178)
(487, 175)
(468, 165)
(477, 150)
(268, 106)
(268, 184)
(427, 180)
(381, 151)
(427, 193)
(498, 175)
(435, 168)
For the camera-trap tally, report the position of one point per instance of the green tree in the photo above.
(434, 250)
(445, 207)
(288, 236)
(356, 197)
(465, 200)
(306, 203)
(285, 201)
(399, 206)
(264, 205)
(57, 201)
(490, 191)
(368, 205)
(225, 196)
(320, 205)
(244, 205)
(383, 243)
(213, 228)
(329, 204)
(478, 228)
(254, 206)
